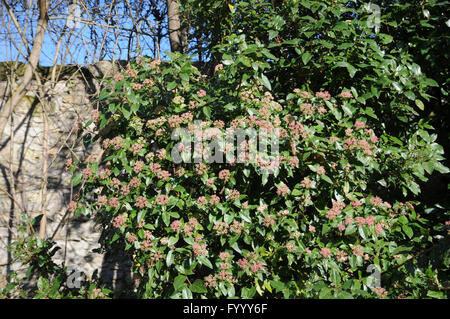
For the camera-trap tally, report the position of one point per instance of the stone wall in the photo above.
(69, 100)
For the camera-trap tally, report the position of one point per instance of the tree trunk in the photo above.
(33, 61)
(174, 24)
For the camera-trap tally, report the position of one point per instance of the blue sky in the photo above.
(78, 49)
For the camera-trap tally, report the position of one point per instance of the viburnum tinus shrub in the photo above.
(202, 214)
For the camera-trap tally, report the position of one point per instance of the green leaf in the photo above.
(171, 85)
(403, 220)
(278, 285)
(235, 247)
(178, 282)
(335, 276)
(326, 178)
(134, 107)
(436, 294)
(198, 286)
(265, 81)
(187, 294)
(350, 229)
(141, 216)
(77, 179)
(350, 68)
(410, 95)
(169, 258)
(166, 218)
(419, 104)
(430, 82)
(265, 178)
(386, 38)
(172, 241)
(363, 232)
(207, 111)
(205, 261)
(184, 77)
(414, 187)
(408, 231)
(126, 113)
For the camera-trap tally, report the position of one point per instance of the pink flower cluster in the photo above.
(113, 202)
(224, 256)
(341, 256)
(199, 249)
(68, 163)
(224, 175)
(321, 170)
(138, 166)
(201, 168)
(137, 86)
(356, 204)
(136, 148)
(283, 213)
(119, 221)
(176, 225)
(141, 202)
(132, 73)
(234, 194)
(376, 201)
(218, 67)
(381, 292)
(124, 190)
(87, 172)
(236, 227)
(283, 190)
(95, 115)
(118, 77)
(359, 124)
(201, 93)
(102, 200)
(131, 238)
(307, 108)
(210, 281)
(114, 183)
(72, 206)
(251, 261)
(325, 252)
(346, 95)
(221, 228)
(148, 83)
(201, 201)
(104, 173)
(306, 183)
(134, 182)
(162, 199)
(323, 95)
(268, 221)
(358, 250)
(214, 200)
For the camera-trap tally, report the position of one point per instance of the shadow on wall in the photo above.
(26, 176)
(116, 275)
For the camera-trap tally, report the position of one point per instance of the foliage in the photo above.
(332, 206)
(344, 99)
